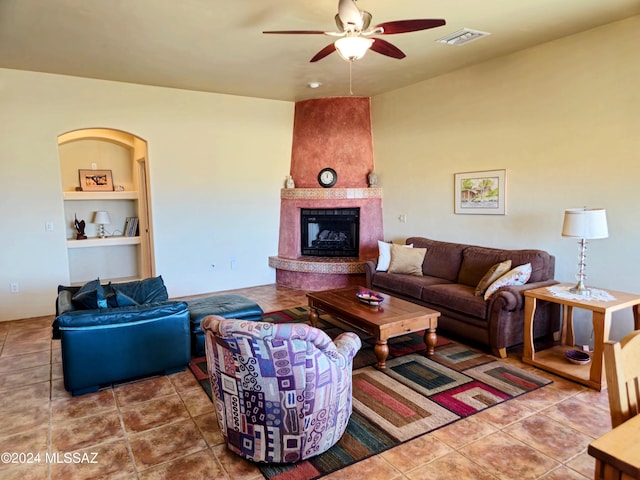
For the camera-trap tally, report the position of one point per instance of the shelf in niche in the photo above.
(102, 242)
(124, 195)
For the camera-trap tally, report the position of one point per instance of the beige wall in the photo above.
(217, 164)
(563, 119)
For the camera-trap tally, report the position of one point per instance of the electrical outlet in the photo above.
(402, 218)
(94, 166)
(48, 227)
(14, 287)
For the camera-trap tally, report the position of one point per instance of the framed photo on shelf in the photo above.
(481, 193)
(96, 180)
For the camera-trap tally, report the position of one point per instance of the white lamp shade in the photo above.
(353, 48)
(102, 218)
(587, 223)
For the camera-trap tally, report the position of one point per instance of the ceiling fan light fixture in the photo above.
(353, 48)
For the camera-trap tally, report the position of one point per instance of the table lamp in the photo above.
(585, 224)
(101, 218)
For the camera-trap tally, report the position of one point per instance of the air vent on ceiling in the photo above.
(462, 37)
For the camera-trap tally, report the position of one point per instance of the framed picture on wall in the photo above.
(96, 180)
(481, 193)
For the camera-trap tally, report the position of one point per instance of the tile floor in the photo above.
(165, 427)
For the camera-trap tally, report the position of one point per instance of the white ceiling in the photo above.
(218, 46)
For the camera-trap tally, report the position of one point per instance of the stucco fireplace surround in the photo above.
(336, 133)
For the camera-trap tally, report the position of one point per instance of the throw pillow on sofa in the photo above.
(90, 296)
(115, 298)
(406, 260)
(384, 255)
(518, 276)
(148, 290)
(492, 275)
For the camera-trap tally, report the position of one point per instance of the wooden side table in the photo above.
(616, 452)
(553, 359)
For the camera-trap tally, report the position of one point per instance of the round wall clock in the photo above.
(327, 177)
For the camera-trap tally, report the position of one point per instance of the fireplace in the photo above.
(330, 232)
(329, 132)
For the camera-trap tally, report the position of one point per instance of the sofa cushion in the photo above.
(442, 259)
(149, 290)
(518, 276)
(458, 297)
(476, 261)
(492, 275)
(406, 260)
(407, 285)
(90, 296)
(384, 255)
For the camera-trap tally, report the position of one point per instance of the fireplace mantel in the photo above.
(329, 193)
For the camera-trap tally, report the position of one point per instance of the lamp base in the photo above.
(580, 289)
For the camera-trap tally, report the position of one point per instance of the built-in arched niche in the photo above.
(118, 164)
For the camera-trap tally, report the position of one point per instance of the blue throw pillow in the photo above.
(150, 290)
(123, 300)
(90, 296)
(116, 298)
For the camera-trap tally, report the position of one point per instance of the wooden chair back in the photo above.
(622, 367)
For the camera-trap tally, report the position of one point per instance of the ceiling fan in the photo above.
(355, 32)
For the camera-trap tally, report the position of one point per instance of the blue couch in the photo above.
(117, 332)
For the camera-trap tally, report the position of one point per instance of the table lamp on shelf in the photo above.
(101, 218)
(585, 224)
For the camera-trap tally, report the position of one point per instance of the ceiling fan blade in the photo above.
(329, 49)
(298, 32)
(385, 48)
(404, 26)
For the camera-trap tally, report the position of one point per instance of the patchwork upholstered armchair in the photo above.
(282, 391)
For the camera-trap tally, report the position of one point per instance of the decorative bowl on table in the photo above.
(578, 357)
(370, 298)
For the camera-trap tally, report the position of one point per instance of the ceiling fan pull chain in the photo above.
(350, 89)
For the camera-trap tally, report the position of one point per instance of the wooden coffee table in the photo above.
(393, 317)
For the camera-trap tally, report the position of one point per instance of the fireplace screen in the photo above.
(330, 232)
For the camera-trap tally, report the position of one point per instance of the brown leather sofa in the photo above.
(451, 273)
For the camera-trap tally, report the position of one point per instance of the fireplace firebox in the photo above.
(330, 232)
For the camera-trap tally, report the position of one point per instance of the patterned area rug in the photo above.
(414, 396)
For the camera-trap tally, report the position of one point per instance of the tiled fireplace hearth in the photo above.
(329, 133)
